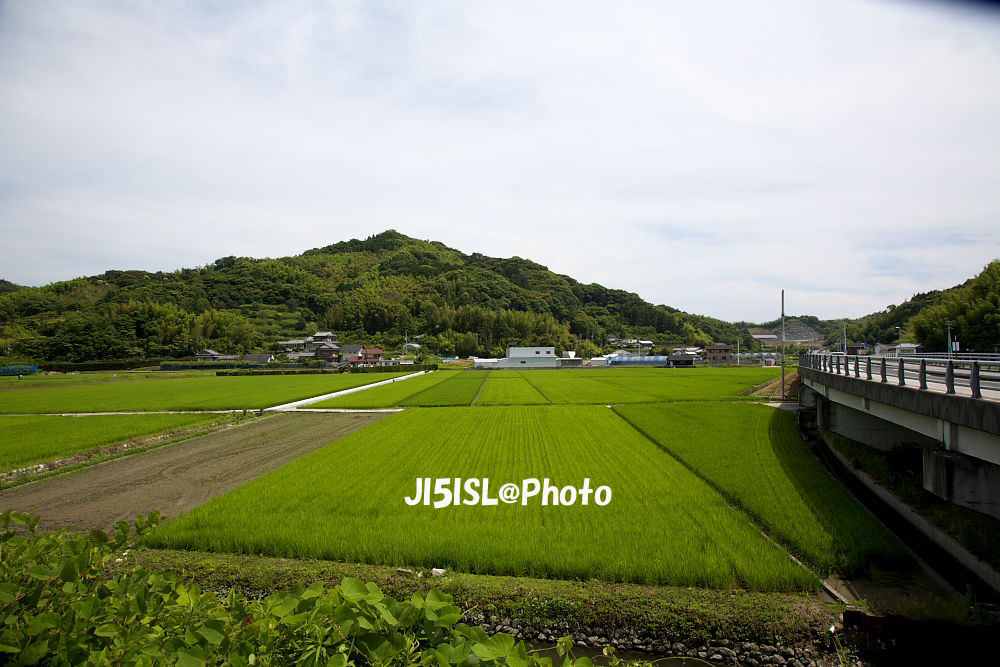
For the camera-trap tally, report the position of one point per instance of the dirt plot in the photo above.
(176, 478)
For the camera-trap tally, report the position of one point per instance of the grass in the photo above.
(346, 502)
(33, 439)
(387, 396)
(165, 392)
(666, 613)
(755, 456)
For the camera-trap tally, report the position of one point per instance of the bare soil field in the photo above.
(176, 478)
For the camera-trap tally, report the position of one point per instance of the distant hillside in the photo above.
(973, 308)
(805, 327)
(7, 286)
(375, 290)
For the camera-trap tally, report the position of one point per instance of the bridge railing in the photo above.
(951, 373)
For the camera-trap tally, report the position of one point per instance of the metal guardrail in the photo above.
(959, 356)
(951, 373)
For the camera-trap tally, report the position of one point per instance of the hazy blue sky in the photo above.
(704, 155)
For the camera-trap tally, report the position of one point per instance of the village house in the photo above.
(371, 355)
(719, 353)
(327, 351)
(351, 353)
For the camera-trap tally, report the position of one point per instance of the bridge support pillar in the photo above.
(962, 480)
(959, 436)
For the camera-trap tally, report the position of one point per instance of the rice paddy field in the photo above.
(567, 387)
(664, 525)
(461, 389)
(38, 380)
(756, 457)
(168, 392)
(34, 439)
(389, 395)
(510, 391)
(694, 471)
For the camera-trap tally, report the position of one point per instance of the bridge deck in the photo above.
(936, 373)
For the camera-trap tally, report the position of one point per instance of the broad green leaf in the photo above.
(213, 637)
(34, 652)
(190, 657)
(41, 623)
(337, 660)
(106, 630)
(8, 592)
(353, 589)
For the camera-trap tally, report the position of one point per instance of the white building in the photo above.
(525, 357)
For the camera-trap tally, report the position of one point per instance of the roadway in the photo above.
(989, 383)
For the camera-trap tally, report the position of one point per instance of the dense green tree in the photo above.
(383, 288)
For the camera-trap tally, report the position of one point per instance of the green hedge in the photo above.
(209, 365)
(395, 369)
(108, 365)
(279, 371)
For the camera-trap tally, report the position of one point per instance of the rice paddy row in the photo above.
(567, 387)
(664, 525)
(756, 457)
(167, 392)
(29, 440)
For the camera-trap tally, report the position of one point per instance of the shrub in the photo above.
(65, 601)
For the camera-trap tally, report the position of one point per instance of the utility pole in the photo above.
(845, 336)
(948, 324)
(737, 350)
(782, 344)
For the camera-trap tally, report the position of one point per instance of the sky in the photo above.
(703, 155)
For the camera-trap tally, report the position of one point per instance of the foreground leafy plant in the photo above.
(63, 603)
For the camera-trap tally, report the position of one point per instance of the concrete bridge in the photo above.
(950, 408)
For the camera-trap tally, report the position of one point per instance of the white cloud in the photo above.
(703, 156)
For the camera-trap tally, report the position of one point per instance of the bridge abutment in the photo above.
(960, 436)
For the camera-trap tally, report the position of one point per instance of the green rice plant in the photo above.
(644, 385)
(40, 380)
(570, 389)
(460, 389)
(756, 457)
(663, 525)
(27, 440)
(509, 391)
(183, 393)
(388, 395)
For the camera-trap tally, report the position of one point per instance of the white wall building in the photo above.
(524, 357)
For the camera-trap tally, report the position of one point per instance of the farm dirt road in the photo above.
(176, 478)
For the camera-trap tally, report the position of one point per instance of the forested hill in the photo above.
(373, 291)
(973, 308)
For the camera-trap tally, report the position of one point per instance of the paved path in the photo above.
(295, 405)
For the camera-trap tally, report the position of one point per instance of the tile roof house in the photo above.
(327, 350)
(350, 351)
